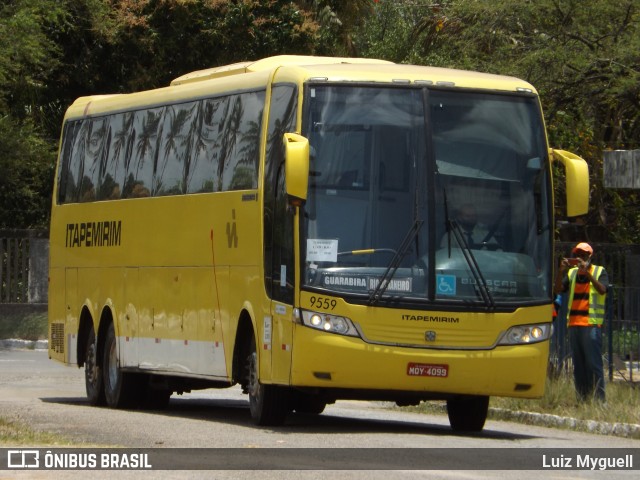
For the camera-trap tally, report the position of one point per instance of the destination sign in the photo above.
(366, 283)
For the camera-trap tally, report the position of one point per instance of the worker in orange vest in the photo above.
(586, 286)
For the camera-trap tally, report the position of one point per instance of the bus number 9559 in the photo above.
(323, 303)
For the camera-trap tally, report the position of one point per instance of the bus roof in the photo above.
(255, 74)
(268, 64)
(344, 68)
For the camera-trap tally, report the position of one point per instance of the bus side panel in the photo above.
(205, 346)
(163, 266)
(178, 331)
(127, 313)
(226, 326)
(158, 314)
(57, 315)
(72, 317)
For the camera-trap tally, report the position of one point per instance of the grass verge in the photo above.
(14, 433)
(26, 327)
(622, 405)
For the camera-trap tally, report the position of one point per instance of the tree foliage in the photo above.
(158, 40)
(27, 57)
(583, 57)
(53, 51)
(26, 162)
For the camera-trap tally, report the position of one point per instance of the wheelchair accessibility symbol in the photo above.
(446, 284)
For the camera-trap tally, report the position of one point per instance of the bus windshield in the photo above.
(424, 195)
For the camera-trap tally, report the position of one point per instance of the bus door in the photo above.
(279, 241)
(282, 285)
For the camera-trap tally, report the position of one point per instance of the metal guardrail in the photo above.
(622, 333)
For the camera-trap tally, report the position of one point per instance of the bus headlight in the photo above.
(329, 323)
(526, 334)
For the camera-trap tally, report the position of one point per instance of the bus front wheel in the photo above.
(119, 387)
(468, 413)
(269, 404)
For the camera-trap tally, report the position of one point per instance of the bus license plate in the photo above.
(427, 370)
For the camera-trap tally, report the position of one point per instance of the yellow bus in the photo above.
(299, 226)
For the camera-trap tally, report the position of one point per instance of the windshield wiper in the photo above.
(453, 226)
(383, 284)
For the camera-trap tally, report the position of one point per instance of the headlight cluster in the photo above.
(526, 334)
(329, 323)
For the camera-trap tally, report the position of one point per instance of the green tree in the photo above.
(338, 23)
(26, 163)
(53, 51)
(27, 57)
(155, 41)
(387, 33)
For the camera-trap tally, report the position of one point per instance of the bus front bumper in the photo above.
(324, 360)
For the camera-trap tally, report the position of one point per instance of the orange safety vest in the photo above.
(586, 305)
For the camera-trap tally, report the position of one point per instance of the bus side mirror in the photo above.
(577, 177)
(296, 168)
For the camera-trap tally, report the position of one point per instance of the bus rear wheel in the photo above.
(269, 404)
(92, 371)
(119, 387)
(468, 413)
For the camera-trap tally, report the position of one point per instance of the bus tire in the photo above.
(92, 371)
(119, 387)
(269, 404)
(468, 413)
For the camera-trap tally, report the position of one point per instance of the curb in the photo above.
(24, 344)
(627, 430)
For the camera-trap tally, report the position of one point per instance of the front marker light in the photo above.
(329, 323)
(526, 334)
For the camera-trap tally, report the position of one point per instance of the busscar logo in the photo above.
(23, 459)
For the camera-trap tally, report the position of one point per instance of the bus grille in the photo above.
(56, 341)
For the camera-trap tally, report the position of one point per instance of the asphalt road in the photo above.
(50, 397)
